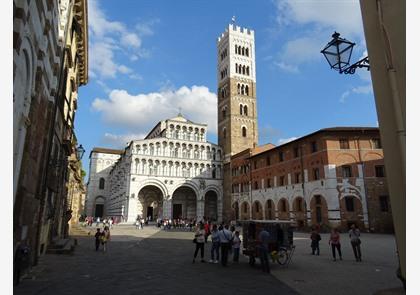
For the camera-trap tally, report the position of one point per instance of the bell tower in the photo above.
(236, 101)
(237, 105)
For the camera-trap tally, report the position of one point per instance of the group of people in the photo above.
(223, 239)
(226, 240)
(334, 242)
(89, 220)
(102, 238)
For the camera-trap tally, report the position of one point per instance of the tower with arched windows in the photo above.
(237, 100)
(237, 106)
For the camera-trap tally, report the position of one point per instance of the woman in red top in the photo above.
(335, 243)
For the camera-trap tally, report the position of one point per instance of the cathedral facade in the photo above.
(174, 172)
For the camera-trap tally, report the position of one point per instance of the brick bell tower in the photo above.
(237, 100)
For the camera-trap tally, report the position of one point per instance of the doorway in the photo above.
(150, 212)
(177, 211)
(99, 210)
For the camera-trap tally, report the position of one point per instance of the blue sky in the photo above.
(147, 59)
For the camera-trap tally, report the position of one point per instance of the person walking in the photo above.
(263, 238)
(354, 234)
(215, 244)
(236, 245)
(199, 242)
(315, 238)
(105, 237)
(225, 237)
(335, 243)
(98, 235)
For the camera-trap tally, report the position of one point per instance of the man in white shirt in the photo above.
(225, 236)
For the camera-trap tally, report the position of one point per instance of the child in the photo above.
(97, 238)
(236, 246)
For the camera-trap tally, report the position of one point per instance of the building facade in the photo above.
(49, 64)
(237, 100)
(333, 177)
(173, 173)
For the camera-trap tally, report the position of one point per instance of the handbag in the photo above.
(195, 240)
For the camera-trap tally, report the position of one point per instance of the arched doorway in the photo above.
(319, 210)
(210, 205)
(245, 211)
(184, 203)
(269, 210)
(257, 211)
(235, 208)
(99, 207)
(299, 209)
(151, 202)
(283, 209)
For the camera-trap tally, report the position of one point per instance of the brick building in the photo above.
(332, 177)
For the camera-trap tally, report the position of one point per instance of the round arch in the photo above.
(245, 211)
(257, 210)
(269, 210)
(189, 184)
(99, 207)
(150, 204)
(351, 211)
(157, 183)
(283, 209)
(319, 210)
(299, 210)
(184, 203)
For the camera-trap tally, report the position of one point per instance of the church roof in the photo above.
(181, 118)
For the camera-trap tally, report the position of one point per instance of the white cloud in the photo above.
(286, 67)
(145, 28)
(362, 89)
(317, 19)
(121, 140)
(106, 38)
(286, 140)
(142, 111)
(343, 16)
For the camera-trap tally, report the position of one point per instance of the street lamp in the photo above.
(80, 151)
(338, 53)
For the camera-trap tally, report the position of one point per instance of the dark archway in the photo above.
(151, 202)
(257, 211)
(210, 205)
(99, 207)
(184, 203)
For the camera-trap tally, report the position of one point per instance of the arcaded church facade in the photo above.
(174, 172)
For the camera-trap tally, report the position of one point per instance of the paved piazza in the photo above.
(150, 261)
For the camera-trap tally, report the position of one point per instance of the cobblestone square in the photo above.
(151, 261)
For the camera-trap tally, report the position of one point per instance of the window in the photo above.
(376, 143)
(299, 204)
(283, 205)
(296, 152)
(243, 131)
(281, 156)
(346, 171)
(268, 161)
(318, 200)
(314, 146)
(380, 171)
(241, 109)
(256, 185)
(245, 207)
(101, 183)
(257, 207)
(316, 173)
(281, 180)
(349, 204)
(246, 108)
(297, 177)
(344, 144)
(224, 113)
(383, 200)
(268, 182)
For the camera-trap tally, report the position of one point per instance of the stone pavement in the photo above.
(159, 264)
(319, 275)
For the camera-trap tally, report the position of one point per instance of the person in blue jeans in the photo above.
(236, 246)
(263, 248)
(215, 244)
